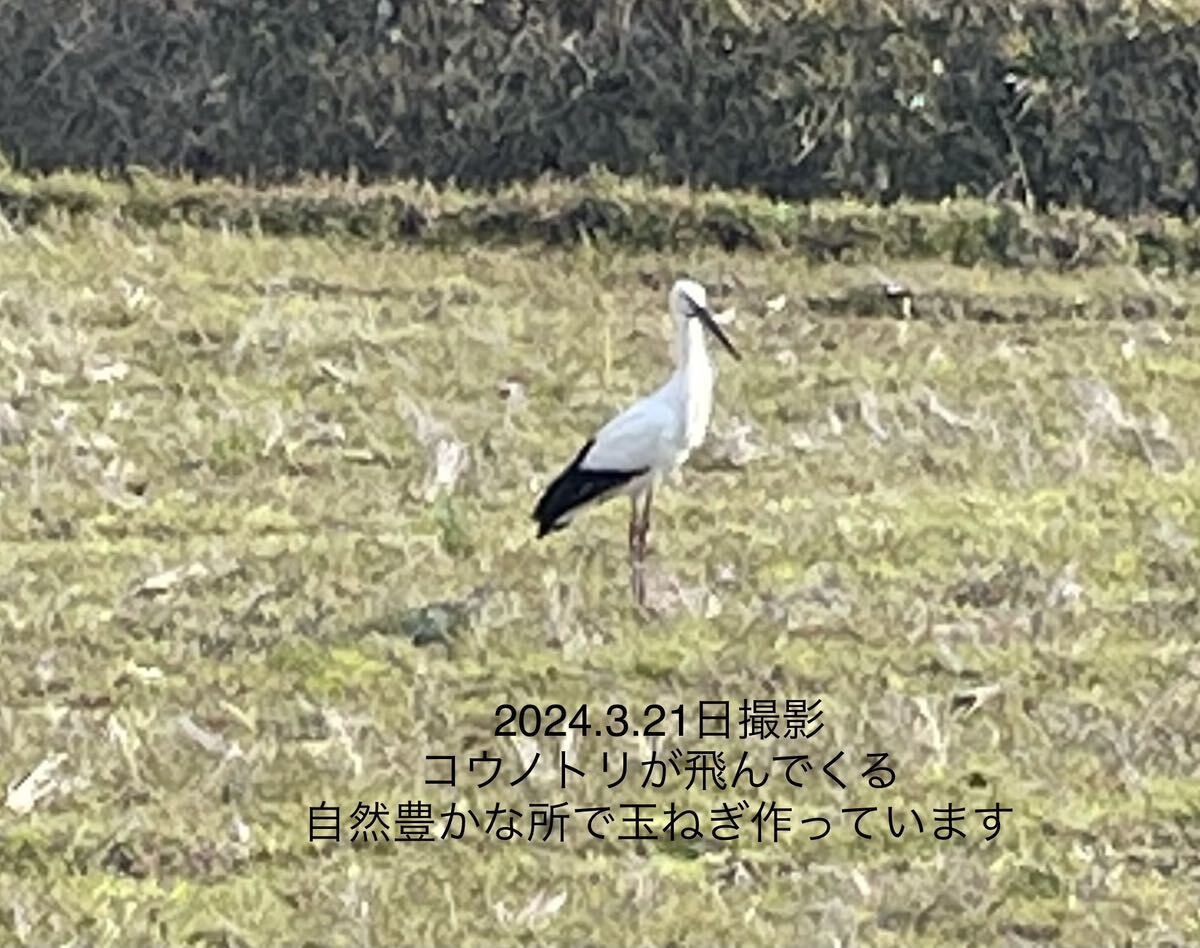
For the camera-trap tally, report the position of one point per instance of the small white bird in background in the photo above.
(652, 437)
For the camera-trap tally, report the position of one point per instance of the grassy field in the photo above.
(264, 542)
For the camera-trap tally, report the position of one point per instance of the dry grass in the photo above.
(236, 472)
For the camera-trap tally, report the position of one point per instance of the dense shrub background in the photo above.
(1094, 103)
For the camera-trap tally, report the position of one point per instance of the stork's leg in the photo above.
(637, 556)
(633, 526)
(636, 583)
(639, 529)
(644, 528)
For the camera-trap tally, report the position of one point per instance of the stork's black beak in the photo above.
(706, 317)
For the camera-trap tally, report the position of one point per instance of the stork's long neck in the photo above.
(694, 376)
(691, 351)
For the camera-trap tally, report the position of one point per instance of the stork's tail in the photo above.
(577, 487)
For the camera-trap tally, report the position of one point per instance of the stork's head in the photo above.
(686, 297)
(689, 300)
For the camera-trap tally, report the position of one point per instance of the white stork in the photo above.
(652, 437)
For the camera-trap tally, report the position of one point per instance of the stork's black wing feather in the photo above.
(573, 488)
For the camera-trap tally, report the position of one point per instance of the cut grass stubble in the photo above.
(264, 542)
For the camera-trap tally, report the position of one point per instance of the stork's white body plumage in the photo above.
(654, 436)
(660, 431)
